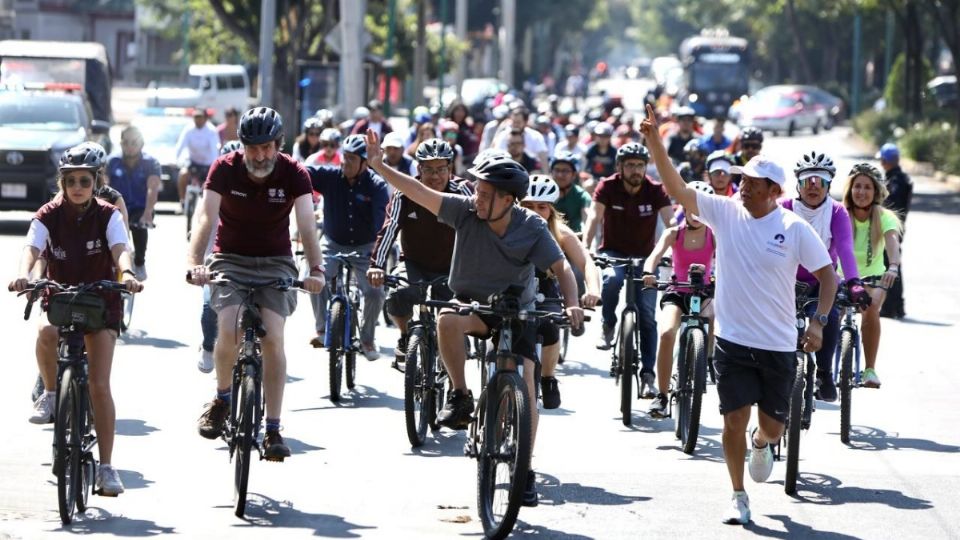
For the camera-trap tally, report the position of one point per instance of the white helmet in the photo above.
(542, 188)
(702, 186)
(361, 113)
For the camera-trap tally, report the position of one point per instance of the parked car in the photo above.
(217, 87)
(161, 128)
(944, 90)
(783, 108)
(836, 109)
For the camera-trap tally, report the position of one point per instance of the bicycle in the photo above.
(74, 310)
(802, 403)
(197, 175)
(242, 432)
(690, 378)
(424, 377)
(846, 361)
(499, 436)
(342, 332)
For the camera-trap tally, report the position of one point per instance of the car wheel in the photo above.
(816, 127)
(791, 129)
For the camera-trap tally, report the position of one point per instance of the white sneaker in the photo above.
(739, 511)
(108, 481)
(372, 352)
(43, 409)
(761, 460)
(205, 364)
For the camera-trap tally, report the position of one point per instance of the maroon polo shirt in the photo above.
(630, 221)
(255, 218)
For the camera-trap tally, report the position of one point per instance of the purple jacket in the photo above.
(841, 243)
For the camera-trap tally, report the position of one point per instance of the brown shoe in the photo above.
(317, 341)
(274, 448)
(213, 421)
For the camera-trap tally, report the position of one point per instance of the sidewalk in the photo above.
(916, 169)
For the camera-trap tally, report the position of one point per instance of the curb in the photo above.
(918, 168)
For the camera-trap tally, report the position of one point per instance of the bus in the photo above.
(716, 72)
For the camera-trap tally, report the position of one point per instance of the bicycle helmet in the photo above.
(355, 144)
(633, 150)
(448, 125)
(693, 146)
(750, 133)
(542, 189)
(880, 191)
(564, 156)
(260, 125)
(684, 111)
(325, 116)
(361, 113)
(312, 123)
(603, 129)
(97, 150)
(330, 135)
(434, 149)
(702, 186)
(82, 156)
(491, 152)
(230, 146)
(502, 173)
(814, 164)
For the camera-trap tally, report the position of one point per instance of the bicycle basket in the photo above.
(86, 311)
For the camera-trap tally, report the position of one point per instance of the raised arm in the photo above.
(672, 181)
(411, 187)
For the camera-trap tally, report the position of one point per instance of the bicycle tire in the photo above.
(88, 473)
(66, 437)
(244, 442)
(335, 335)
(417, 388)
(697, 371)
(127, 318)
(793, 427)
(847, 340)
(628, 350)
(350, 368)
(508, 417)
(564, 343)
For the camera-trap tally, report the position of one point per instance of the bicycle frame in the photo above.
(848, 322)
(249, 363)
(343, 292)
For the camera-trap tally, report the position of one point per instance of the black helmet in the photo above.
(503, 173)
(82, 156)
(355, 144)
(751, 133)
(564, 156)
(312, 123)
(434, 149)
(260, 125)
(633, 150)
(97, 149)
(230, 146)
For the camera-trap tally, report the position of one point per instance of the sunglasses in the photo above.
(750, 146)
(327, 145)
(82, 182)
(815, 180)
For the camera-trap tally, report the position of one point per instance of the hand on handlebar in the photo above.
(314, 284)
(375, 276)
(650, 280)
(18, 285)
(575, 314)
(198, 275)
(589, 300)
(132, 284)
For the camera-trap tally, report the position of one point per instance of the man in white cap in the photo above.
(394, 156)
(759, 247)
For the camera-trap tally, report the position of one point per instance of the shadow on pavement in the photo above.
(140, 337)
(874, 439)
(706, 450)
(299, 447)
(823, 489)
(263, 511)
(132, 427)
(99, 521)
(555, 493)
(539, 531)
(441, 443)
(910, 320)
(133, 479)
(940, 203)
(572, 368)
(645, 424)
(793, 530)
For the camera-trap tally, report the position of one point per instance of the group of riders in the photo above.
(528, 227)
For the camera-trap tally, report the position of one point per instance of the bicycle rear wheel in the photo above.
(564, 342)
(691, 392)
(847, 340)
(418, 387)
(505, 456)
(243, 439)
(627, 350)
(127, 312)
(793, 428)
(335, 335)
(67, 433)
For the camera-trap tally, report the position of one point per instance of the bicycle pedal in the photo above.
(274, 459)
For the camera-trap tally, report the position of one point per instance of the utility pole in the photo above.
(389, 61)
(508, 36)
(351, 61)
(857, 69)
(420, 54)
(268, 23)
(461, 30)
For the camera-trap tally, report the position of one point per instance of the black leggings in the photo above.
(139, 238)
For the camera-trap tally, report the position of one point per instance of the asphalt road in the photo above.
(353, 473)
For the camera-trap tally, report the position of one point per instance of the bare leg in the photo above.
(274, 362)
(450, 331)
(47, 353)
(225, 350)
(734, 444)
(870, 327)
(668, 336)
(529, 377)
(549, 357)
(100, 346)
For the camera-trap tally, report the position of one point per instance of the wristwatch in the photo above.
(821, 318)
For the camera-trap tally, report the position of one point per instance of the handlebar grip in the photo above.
(297, 284)
(577, 332)
(189, 276)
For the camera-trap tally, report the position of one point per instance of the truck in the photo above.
(716, 70)
(215, 87)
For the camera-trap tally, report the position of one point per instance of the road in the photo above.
(353, 473)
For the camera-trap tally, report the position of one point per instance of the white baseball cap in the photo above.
(718, 165)
(762, 167)
(392, 140)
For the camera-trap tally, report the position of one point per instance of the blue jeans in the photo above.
(646, 300)
(373, 297)
(208, 321)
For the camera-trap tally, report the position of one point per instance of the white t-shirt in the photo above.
(533, 141)
(202, 144)
(756, 266)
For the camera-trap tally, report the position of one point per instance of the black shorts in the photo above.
(524, 334)
(746, 376)
(681, 300)
(547, 331)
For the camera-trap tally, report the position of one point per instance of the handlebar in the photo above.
(560, 319)
(281, 284)
(34, 288)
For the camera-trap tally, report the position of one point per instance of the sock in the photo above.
(50, 393)
(224, 395)
(273, 424)
(742, 493)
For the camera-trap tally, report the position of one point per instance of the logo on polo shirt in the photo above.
(776, 245)
(779, 238)
(238, 193)
(412, 215)
(645, 209)
(276, 195)
(93, 246)
(59, 253)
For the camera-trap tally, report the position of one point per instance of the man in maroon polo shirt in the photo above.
(627, 204)
(253, 191)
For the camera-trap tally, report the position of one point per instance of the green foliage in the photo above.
(895, 91)
(208, 41)
(879, 127)
(932, 143)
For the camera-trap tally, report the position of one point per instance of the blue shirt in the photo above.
(132, 183)
(709, 145)
(352, 215)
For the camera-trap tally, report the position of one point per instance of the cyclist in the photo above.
(755, 353)
(329, 153)
(876, 230)
(691, 242)
(497, 246)
(373, 119)
(574, 201)
(542, 195)
(677, 141)
(202, 144)
(694, 168)
(533, 141)
(747, 147)
(627, 205)
(86, 241)
(309, 142)
(718, 170)
(515, 146)
(252, 192)
(601, 156)
(227, 131)
(136, 175)
(394, 156)
(426, 244)
(354, 206)
(814, 172)
(716, 140)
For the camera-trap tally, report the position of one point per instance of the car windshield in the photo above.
(39, 113)
(160, 132)
(719, 76)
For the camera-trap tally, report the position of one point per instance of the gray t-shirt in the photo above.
(485, 264)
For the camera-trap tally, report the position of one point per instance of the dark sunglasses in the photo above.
(750, 146)
(328, 145)
(82, 182)
(313, 133)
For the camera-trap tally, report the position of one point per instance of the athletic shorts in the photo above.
(524, 335)
(254, 269)
(746, 375)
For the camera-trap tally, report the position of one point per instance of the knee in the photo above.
(99, 388)
(668, 334)
(737, 420)
(47, 337)
(449, 325)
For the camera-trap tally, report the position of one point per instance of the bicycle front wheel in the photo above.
(504, 457)
(628, 351)
(243, 439)
(417, 387)
(793, 428)
(847, 340)
(691, 391)
(67, 433)
(335, 335)
(127, 312)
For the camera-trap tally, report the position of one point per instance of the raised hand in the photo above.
(374, 152)
(649, 127)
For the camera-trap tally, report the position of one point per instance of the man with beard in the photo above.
(253, 191)
(627, 204)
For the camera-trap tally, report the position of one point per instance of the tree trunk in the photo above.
(803, 62)
(914, 79)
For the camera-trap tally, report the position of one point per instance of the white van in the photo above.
(209, 86)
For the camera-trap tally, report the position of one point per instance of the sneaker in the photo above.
(826, 387)
(647, 388)
(739, 511)
(530, 492)
(550, 392)
(370, 351)
(761, 460)
(870, 379)
(606, 340)
(274, 449)
(43, 409)
(205, 364)
(658, 407)
(140, 272)
(317, 341)
(37, 389)
(400, 353)
(457, 410)
(214, 419)
(108, 481)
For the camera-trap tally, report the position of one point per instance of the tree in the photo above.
(947, 15)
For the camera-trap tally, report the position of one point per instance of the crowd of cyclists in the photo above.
(504, 198)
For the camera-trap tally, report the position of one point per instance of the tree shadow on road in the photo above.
(572, 368)
(99, 521)
(910, 320)
(555, 493)
(360, 396)
(793, 530)
(645, 424)
(874, 439)
(141, 337)
(818, 488)
(939, 203)
(706, 450)
(131, 427)
(262, 511)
